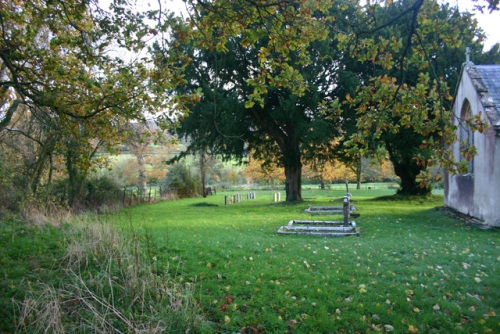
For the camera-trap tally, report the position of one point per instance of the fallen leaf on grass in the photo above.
(292, 323)
(227, 319)
(412, 329)
(490, 314)
(388, 328)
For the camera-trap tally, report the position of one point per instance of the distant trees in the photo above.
(63, 89)
(370, 170)
(257, 171)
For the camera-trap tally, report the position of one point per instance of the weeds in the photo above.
(108, 285)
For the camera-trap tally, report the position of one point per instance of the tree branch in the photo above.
(9, 113)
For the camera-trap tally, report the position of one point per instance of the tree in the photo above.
(258, 171)
(182, 182)
(331, 171)
(492, 5)
(262, 82)
(139, 137)
(415, 49)
(57, 66)
(209, 168)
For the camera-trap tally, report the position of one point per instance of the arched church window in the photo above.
(466, 136)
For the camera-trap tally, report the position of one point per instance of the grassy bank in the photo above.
(413, 269)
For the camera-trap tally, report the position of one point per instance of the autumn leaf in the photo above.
(292, 323)
(412, 329)
(229, 299)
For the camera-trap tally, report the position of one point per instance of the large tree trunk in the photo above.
(359, 169)
(402, 148)
(408, 173)
(291, 158)
(293, 183)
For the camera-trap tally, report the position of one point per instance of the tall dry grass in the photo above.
(109, 284)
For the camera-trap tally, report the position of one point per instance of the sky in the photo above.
(489, 22)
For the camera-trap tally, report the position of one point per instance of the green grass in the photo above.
(28, 254)
(412, 269)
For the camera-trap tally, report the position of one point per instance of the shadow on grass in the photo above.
(204, 204)
(404, 198)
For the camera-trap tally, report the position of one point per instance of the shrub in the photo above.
(180, 180)
(102, 191)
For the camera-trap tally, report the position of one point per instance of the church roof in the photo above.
(486, 81)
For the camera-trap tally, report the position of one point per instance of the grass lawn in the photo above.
(413, 269)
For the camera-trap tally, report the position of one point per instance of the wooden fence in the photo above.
(137, 195)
